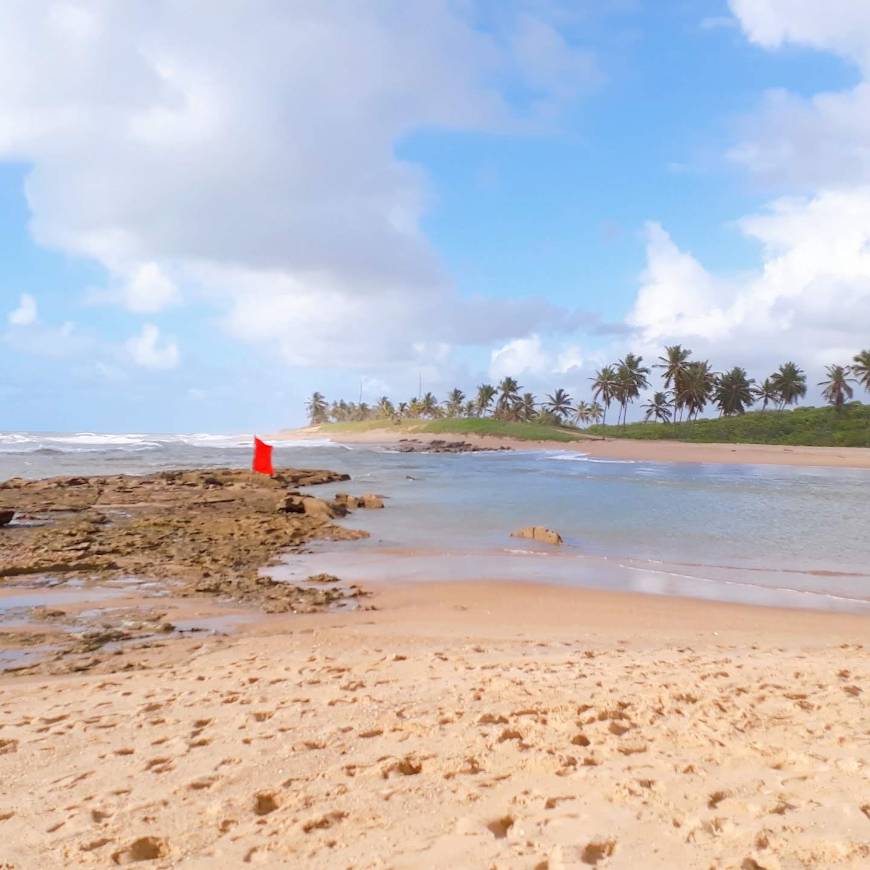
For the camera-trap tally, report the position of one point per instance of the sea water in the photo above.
(761, 534)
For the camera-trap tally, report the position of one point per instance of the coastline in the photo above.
(474, 724)
(622, 449)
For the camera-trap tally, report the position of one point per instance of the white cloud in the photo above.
(147, 350)
(26, 312)
(149, 289)
(522, 356)
(820, 141)
(182, 144)
(810, 299)
(838, 26)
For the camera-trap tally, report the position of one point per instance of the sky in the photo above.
(208, 210)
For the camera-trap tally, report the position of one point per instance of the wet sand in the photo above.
(648, 451)
(456, 726)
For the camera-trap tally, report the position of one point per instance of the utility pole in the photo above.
(420, 387)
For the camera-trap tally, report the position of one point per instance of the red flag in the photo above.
(262, 457)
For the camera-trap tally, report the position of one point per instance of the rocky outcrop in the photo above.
(208, 531)
(351, 502)
(439, 445)
(538, 533)
(6, 517)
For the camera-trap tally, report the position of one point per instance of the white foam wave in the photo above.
(568, 456)
(92, 442)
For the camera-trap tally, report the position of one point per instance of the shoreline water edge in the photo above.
(619, 449)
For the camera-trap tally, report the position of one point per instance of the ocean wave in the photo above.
(567, 456)
(132, 442)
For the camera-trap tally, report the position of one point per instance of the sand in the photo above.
(477, 725)
(626, 448)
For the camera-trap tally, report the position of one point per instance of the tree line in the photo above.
(690, 386)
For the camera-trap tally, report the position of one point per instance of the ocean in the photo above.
(768, 535)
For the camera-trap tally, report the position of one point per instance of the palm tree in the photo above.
(558, 403)
(604, 387)
(317, 408)
(790, 383)
(861, 368)
(837, 387)
(429, 406)
(674, 364)
(527, 407)
(733, 392)
(658, 408)
(508, 398)
(583, 412)
(385, 408)
(402, 409)
(765, 393)
(631, 378)
(470, 409)
(485, 395)
(596, 412)
(699, 382)
(453, 405)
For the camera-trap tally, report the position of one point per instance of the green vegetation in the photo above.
(690, 387)
(824, 427)
(463, 426)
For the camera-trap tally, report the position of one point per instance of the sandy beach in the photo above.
(455, 726)
(650, 451)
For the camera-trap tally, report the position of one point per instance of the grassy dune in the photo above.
(464, 426)
(821, 427)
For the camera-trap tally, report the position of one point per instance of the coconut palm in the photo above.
(658, 408)
(697, 389)
(733, 392)
(470, 409)
(429, 406)
(596, 412)
(558, 403)
(837, 387)
(485, 395)
(317, 408)
(527, 407)
(861, 368)
(766, 393)
(508, 398)
(583, 412)
(604, 387)
(790, 383)
(454, 403)
(402, 409)
(673, 365)
(385, 408)
(631, 378)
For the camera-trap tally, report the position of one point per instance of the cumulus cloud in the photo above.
(148, 350)
(839, 26)
(822, 141)
(26, 312)
(809, 299)
(149, 289)
(534, 359)
(183, 145)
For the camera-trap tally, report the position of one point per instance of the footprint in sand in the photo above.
(143, 849)
(265, 802)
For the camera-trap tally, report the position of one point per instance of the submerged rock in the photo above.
(538, 533)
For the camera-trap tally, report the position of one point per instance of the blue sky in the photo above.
(199, 225)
